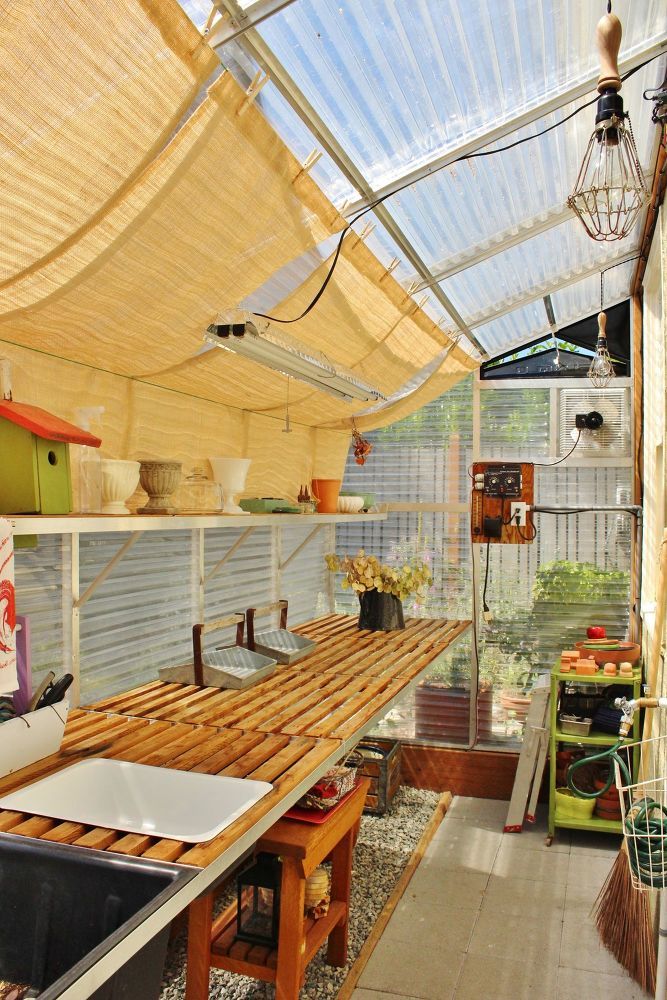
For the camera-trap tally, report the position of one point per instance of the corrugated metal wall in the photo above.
(140, 618)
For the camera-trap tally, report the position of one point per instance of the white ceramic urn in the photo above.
(231, 474)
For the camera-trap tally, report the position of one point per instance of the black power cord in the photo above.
(401, 187)
(549, 465)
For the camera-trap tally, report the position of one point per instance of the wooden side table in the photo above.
(302, 846)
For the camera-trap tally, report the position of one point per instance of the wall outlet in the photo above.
(518, 513)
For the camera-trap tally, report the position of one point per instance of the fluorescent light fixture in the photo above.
(286, 355)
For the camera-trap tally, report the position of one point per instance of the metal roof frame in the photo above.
(426, 277)
(253, 43)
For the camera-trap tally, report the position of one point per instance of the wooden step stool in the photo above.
(302, 847)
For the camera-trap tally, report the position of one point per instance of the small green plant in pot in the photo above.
(380, 587)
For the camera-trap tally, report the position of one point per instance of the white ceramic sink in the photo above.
(136, 798)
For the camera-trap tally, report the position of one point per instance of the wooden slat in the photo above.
(280, 730)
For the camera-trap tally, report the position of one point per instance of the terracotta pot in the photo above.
(326, 492)
(442, 713)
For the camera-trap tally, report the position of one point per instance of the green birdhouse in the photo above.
(34, 449)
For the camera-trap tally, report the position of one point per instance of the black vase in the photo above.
(380, 612)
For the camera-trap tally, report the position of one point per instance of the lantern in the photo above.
(258, 907)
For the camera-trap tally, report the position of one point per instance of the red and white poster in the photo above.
(8, 677)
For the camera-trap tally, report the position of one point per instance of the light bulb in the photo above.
(601, 371)
(610, 189)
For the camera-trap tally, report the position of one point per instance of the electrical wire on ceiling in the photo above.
(401, 187)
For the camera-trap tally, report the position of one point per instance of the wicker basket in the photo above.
(333, 785)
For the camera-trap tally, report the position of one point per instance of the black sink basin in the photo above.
(64, 907)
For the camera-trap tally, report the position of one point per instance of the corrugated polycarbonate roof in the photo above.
(391, 89)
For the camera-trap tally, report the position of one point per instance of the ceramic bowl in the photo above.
(350, 505)
(625, 651)
(119, 481)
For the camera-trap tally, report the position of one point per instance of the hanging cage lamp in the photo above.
(610, 190)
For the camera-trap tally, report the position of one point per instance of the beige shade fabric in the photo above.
(142, 229)
(89, 93)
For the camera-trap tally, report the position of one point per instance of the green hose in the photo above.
(645, 824)
(608, 754)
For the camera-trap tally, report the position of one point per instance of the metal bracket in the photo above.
(229, 553)
(103, 574)
(300, 546)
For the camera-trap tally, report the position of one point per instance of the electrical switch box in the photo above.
(502, 492)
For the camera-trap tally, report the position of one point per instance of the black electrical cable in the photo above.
(401, 187)
(485, 606)
(549, 465)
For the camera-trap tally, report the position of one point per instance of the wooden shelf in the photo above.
(599, 678)
(260, 962)
(69, 524)
(594, 739)
(592, 824)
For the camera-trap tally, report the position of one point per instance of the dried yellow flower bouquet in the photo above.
(363, 573)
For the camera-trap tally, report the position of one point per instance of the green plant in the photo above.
(363, 572)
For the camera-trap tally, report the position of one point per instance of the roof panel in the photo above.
(518, 327)
(481, 203)
(533, 267)
(400, 83)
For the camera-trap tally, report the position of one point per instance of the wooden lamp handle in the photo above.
(602, 325)
(608, 39)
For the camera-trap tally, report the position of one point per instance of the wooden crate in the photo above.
(385, 775)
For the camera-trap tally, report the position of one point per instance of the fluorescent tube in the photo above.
(286, 355)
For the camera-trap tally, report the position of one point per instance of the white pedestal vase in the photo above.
(231, 474)
(119, 481)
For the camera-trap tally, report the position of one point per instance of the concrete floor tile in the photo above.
(521, 897)
(462, 848)
(535, 940)
(581, 948)
(542, 866)
(589, 870)
(400, 967)
(460, 890)
(486, 809)
(431, 924)
(533, 837)
(575, 984)
(483, 978)
(584, 844)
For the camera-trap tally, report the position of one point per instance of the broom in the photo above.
(622, 913)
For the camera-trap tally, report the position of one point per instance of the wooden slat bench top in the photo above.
(283, 760)
(282, 730)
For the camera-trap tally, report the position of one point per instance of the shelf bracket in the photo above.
(103, 574)
(301, 546)
(229, 553)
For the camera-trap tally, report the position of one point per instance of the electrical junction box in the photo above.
(501, 494)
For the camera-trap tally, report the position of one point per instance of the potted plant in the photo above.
(380, 587)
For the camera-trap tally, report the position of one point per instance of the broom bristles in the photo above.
(624, 923)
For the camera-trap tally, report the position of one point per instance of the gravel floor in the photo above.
(383, 849)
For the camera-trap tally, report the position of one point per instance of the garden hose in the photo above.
(608, 754)
(645, 825)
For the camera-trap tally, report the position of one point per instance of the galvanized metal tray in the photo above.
(283, 645)
(227, 667)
